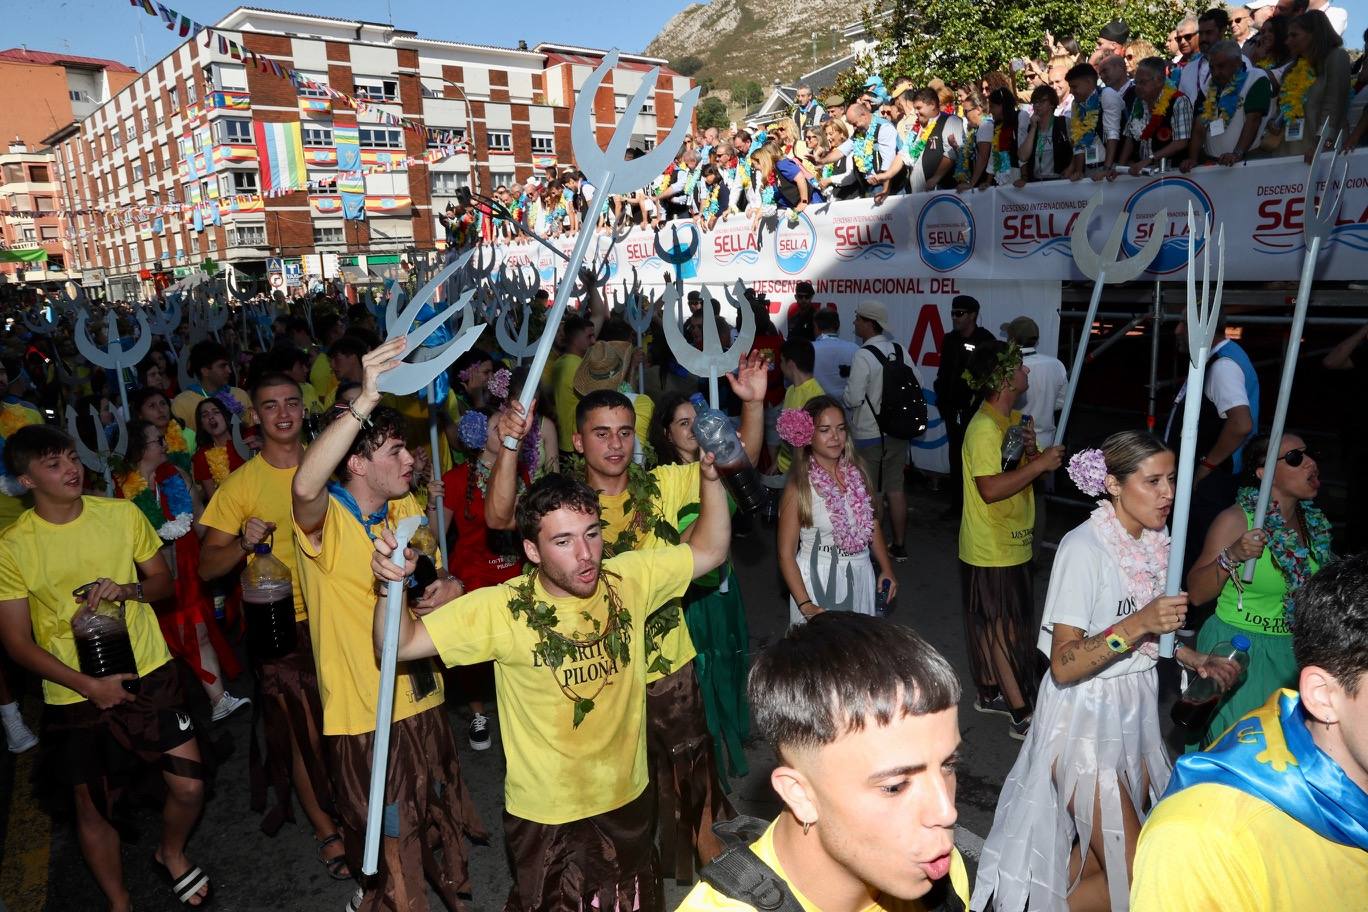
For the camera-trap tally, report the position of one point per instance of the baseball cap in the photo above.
(1116, 30)
(964, 302)
(1021, 330)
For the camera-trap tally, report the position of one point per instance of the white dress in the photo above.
(855, 578)
(1098, 736)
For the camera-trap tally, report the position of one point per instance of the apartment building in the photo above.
(32, 244)
(205, 156)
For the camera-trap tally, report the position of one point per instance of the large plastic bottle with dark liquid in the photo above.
(103, 647)
(268, 604)
(714, 432)
(1198, 705)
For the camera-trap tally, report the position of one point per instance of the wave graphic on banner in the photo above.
(748, 257)
(1059, 245)
(877, 251)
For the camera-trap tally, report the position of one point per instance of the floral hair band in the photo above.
(795, 427)
(1008, 360)
(1088, 471)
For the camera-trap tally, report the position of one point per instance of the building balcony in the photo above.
(227, 101)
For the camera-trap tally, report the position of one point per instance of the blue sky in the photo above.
(110, 28)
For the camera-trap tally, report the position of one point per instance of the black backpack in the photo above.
(903, 412)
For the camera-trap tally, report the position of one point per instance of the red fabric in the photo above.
(769, 345)
(479, 566)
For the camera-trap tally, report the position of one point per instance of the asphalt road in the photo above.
(41, 868)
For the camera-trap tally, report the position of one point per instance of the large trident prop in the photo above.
(518, 295)
(824, 588)
(637, 312)
(114, 356)
(713, 360)
(1103, 268)
(1203, 314)
(679, 254)
(404, 380)
(606, 169)
(1317, 226)
(98, 461)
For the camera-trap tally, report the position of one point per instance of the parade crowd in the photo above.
(1232, 84)
(572, 575)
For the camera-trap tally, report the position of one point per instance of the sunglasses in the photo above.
(1188, 37)
(958, 313)
(1295, 457)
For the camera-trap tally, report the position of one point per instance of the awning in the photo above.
(28, 255)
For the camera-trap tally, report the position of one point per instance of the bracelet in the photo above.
(1115, 641)
(805, 602)
(364, 419)
(1206, 463)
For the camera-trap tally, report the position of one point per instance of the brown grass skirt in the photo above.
(999, 605)
(608, 859)
(288, 704)
(434, 813)
(683, 764)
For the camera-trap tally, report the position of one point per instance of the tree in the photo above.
(687, 66)
(962, 40)
(747, 92)
(712, 113)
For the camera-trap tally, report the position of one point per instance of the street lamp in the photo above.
(473, 175)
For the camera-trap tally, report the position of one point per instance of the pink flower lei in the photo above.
(1143, 561)
(849, 504)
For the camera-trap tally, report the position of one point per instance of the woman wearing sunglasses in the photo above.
(1292, 545)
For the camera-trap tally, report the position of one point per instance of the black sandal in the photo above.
(337, 862)
(187, 886)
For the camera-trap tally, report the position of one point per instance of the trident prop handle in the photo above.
(437, 470)
(1182, 505)
(567, 285)
(1289, 370)
(384, 703)
(1072, 389)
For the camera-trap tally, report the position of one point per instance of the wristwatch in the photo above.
(1115, 641)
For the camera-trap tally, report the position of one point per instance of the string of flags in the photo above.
(185, 27)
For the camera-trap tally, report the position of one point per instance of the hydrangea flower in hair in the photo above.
(1088, 471)
(499, 382)
(473, 429)
(796, 427)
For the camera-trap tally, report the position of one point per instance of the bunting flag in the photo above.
(280, 154)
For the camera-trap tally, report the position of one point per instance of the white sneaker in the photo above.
(17, 734)
(227, 705)
(479, 732)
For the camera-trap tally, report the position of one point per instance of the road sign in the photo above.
(293, 273)
(277, 281)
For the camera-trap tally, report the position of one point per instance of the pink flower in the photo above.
(1088, 470)
(498, 384)
(795, 427)
(849, 504)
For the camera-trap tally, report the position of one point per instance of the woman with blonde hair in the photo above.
(827, 510)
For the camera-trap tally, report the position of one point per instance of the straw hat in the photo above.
(604, 366)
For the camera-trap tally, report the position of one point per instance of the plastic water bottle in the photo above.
(714, 432)
(1198, 704)
(268, 604)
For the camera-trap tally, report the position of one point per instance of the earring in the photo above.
(807, 824)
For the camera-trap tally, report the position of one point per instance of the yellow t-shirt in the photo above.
(321, 377)
(312, 402)
(644, 407)
(183, 406)
(997, 534)
(12, 418)
(557, 772)
(43, 563)
(678, 488)
(259, 489)
(795, 397)
(565, 398)
(704, 898)
(1215, 847)
(339, 591)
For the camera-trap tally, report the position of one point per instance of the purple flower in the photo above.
(1088, 470)
(795, 427)
(473, 429)
(499, 382)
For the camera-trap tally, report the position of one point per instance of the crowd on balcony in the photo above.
(1271, 78)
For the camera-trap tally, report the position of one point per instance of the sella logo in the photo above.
(864, 239)
(794, 244)
(735, 245)
(1282, 219)
(1173, 194)
(945, 233)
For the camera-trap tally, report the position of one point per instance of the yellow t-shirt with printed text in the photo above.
(704, 898)
(997, 534)
(339, 590)
(257, 488)
(678, 488)
(1238, 853)
(43, 562)
(558, 773)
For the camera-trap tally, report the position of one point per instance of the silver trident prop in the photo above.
(39, 324)
(1102, 268)
(679, 254)
(239, 444)
(824, 588)
(114, 356)
(606, 169)
(637, 312)
(1203, 314)
(1317, 226)
(98, 462)
(165, 320)
(516, 307)
(713, 360)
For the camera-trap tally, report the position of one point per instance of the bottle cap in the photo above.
(262, 548)
(1240, 642)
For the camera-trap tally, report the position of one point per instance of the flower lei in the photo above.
(918, 145)
(554, 647)
(529, 457)
(795, 427)
(1290, 553)
(171, 522)
(849, 504)
(1083, 125)
(1088, 471)
(217, 459)
(1008, 360)
(770, 188)
(1224, 103)
(229, 401)
(1155, 129)
(177, 449)
(1004, 137)
(1297, 81)
(556, 219)
(713, 204)
(12, 419)
(1143, 561)
(862, 149)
